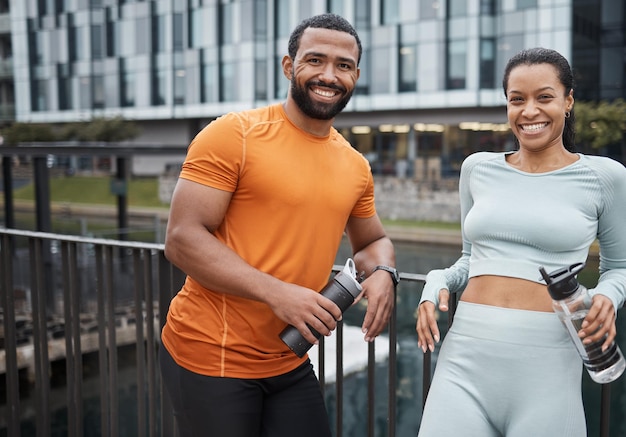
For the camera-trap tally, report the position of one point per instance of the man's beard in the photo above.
(320, 111)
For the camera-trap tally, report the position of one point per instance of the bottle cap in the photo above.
(562, 283)
(347, 278)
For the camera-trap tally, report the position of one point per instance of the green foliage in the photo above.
(28, 132)
(99, 129)
(96, 190)
(600, 124)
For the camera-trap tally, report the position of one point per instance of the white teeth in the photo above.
(537, 126)
(324, 93)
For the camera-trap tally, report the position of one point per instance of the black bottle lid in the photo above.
(562, 283)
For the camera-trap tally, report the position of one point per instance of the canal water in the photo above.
(411, 257)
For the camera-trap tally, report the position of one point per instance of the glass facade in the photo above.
(428, 94)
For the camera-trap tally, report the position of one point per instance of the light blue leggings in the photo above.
(505, 373)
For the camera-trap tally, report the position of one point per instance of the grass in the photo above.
(96, 190)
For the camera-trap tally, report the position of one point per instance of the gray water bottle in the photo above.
(571, 302)
(343, 289)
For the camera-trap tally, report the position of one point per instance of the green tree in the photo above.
(599, 124)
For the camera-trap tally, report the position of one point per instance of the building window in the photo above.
(142, 38)
(363, 84)
(226, 24)
(280, 81)
(97, 42)
(283, 12)
(84, 92)
(457, 8)
(112, 38)
(228, 82)
(456, 65)
(408, 68)
(260, 79)
(98, 91)
(487, 63)
(64, 84)
(178, 33)
(39, 95)
(526, 4)
(335, 6)
(158, 34)
(158, 87)
(389, 12)
(209, 83)
(260, 20)
(380, 71)
(180, 75)
(429, 8)
(363, 16)
(487, 7)
(127, 86)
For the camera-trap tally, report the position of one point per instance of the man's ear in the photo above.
(287, 64)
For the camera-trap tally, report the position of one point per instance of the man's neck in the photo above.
(314, 126)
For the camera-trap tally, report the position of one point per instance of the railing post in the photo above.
(7, 180)
(10, 343)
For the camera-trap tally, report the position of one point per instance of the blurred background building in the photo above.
(430, 88)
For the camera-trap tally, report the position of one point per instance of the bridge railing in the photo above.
(82, 301)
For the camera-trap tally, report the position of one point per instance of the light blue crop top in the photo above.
(514, 222)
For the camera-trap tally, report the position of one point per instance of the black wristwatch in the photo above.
(395, 276)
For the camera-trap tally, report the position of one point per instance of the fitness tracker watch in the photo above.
(395, 276)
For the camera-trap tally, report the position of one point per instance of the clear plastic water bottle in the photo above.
(571, 302)
(343, 289)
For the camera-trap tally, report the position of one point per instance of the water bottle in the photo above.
(571, 302)
(342, 289)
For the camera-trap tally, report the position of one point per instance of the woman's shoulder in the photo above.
(604, 165)
(480, 157)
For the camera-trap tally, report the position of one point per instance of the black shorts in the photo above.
(281, 406)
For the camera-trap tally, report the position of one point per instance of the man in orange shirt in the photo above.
(256, 220)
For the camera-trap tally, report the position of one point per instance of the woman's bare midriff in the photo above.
(507, 292)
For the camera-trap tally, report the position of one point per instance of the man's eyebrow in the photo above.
(325, 56)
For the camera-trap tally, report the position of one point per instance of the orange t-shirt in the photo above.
(292, 196)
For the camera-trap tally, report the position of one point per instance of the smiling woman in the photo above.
(540, 206)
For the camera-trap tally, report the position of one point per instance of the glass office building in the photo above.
(430, 86)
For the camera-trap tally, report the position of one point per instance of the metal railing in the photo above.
(67, 297)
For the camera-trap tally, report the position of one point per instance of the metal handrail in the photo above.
(57, 268)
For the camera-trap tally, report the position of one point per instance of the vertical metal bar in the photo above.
(77, 338)
(371, 389)
(321, 365)
(166, 290)
(122, 198)
(426, 372)
(139, 285)
(339, 379)
(605, 410)
(10, 341)
(43, 218)
(40, 332)
(72, 359)
(102, 343)
(7, 178)
(151, 341)
(393, 359)
(112, 342)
